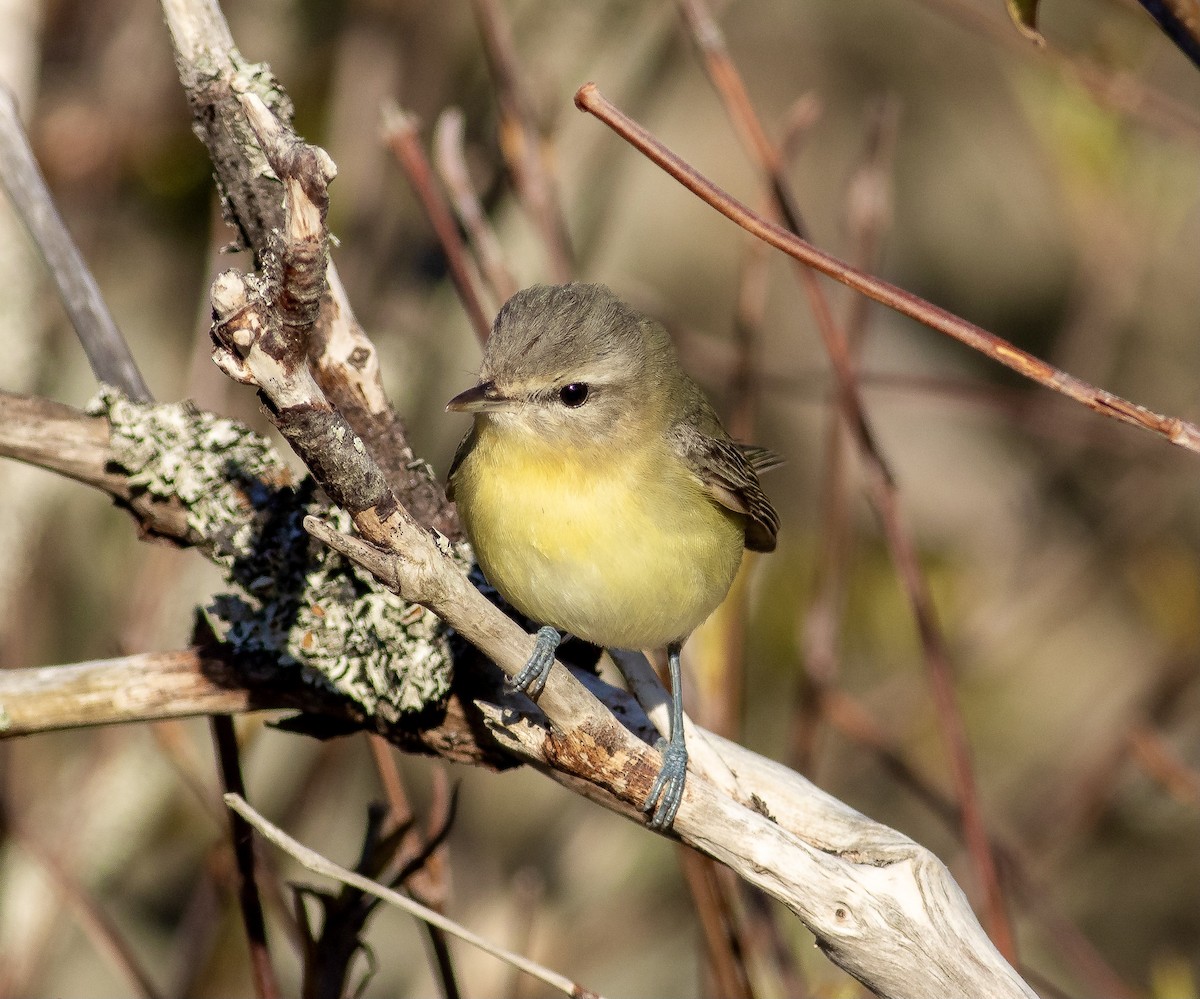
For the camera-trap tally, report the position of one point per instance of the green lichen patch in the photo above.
(298, 601)
(221, 471)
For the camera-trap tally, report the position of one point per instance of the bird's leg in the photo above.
(533, 677)
(667, 792)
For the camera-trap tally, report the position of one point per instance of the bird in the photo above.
(600, 492)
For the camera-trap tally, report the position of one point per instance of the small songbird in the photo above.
(599, 490)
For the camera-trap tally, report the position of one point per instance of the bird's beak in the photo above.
(482, 398)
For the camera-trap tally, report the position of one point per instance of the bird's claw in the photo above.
(532, 679)
(667, 791)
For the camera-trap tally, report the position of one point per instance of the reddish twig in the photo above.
(423, 876)
(727, 689)
(868, 204)
(399, 810)
(720, 925)
(400, 134)
(1010, 401)
(1177, 431)
(745, 388)
(423, 882)
(225, 741)
(520, 140)
(797, 122)
(179, 754)
(452, 166)
(869, 207)
(1162, 764)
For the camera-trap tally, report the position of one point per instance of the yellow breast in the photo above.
(624, 551)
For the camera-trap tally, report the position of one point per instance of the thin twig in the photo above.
(400, 134)
(423, 882)
(1180, 432)
(882, 485)
(183, 759)
(1162, 764)
(399, 811)
(520, 140)
(868, 208)
(798, 121)
(450, 158)
(225, 742)
(723, 672)
(318, 864)
(720, 924)
(106, 349)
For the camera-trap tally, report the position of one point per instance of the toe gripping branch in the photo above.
(532, 679)
(662, 804)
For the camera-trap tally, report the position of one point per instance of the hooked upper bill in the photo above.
(481, 398)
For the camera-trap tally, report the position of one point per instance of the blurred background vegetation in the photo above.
(1051, 196)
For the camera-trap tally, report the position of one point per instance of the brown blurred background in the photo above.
(1050, 196)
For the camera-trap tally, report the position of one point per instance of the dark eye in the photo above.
(573, 395)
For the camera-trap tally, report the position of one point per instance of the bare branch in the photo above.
(106, 349)
(202, 681)
(62, 439)
(215, 78)
(139, 688)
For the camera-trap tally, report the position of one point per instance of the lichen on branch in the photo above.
(297, 601)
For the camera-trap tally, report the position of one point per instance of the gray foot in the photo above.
(667, 791)
(532, 678)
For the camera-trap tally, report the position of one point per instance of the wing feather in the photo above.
(728, 471)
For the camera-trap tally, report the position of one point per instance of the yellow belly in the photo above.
(628, 556)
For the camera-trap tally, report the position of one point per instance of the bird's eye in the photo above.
(573, 395)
